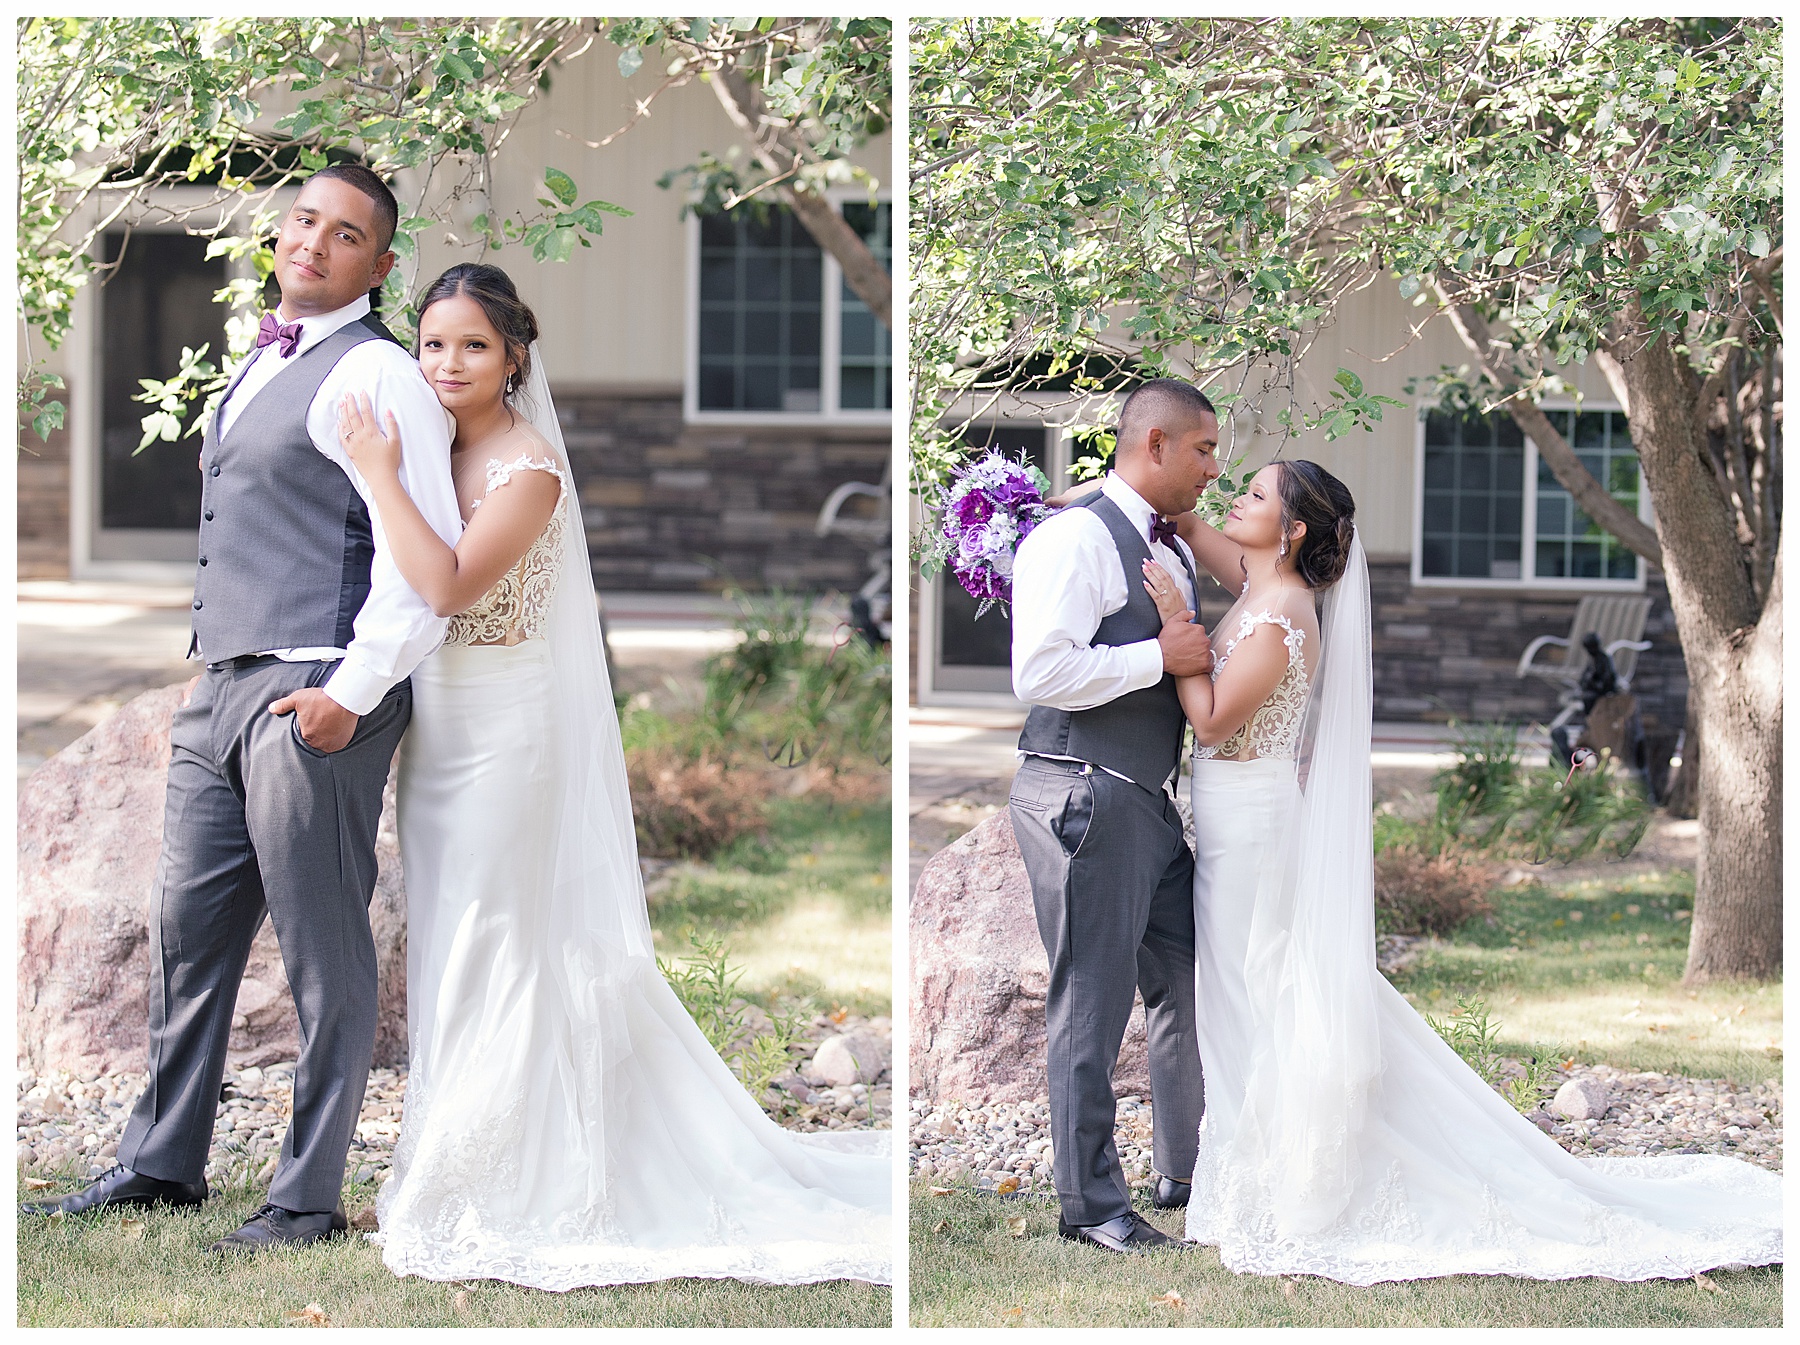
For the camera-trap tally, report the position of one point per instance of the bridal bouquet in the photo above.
(992, 507)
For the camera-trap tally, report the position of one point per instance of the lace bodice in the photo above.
(514, 610)
(1274, 730)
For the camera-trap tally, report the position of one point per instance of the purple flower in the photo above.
(995, 503)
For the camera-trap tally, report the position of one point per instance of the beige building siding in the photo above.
(611, 316)
(1371, 338)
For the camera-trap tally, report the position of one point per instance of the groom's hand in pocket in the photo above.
(1186, 651)
(325, 726)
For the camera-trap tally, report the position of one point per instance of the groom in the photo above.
(1111, 875)
(281, 747)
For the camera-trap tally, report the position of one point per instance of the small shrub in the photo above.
(1472, 1034)
(755, 1043)
(1419, 890)
(1550, 818)
(1487, 765)
(687, 807)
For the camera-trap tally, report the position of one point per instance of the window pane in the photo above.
(759, 313)
(1474, 498)
(1570, 544)
(865, 360)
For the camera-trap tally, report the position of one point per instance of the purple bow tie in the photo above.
(1161, 530)
(273, 329)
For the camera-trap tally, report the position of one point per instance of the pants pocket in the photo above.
(1076, 819)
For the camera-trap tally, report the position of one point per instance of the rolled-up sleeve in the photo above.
(396, 628)
(1066, 579)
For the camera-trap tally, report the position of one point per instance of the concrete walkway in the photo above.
(87, 648)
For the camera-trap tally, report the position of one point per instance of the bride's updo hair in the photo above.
(1318, 499)
(493, 289)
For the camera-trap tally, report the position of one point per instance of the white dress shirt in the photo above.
(1067, 576)
(396, 628)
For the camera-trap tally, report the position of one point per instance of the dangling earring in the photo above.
(509, 383)
(1282, 554)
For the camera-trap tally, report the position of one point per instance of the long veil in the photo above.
(1310, 1097)
(598, 889)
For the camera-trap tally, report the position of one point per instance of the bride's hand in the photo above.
(1170, 605)
(1073, 493)
(372, 451)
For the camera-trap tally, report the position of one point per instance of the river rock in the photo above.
(980, 977)
(90, 831)
(1581, 1099)
(851, 1057)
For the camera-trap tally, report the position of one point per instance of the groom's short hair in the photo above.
(366, 181)
(1170, 404)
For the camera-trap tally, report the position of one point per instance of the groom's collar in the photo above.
(1136, 507)
(316, 327)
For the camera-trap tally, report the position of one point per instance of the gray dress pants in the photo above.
(1112, 880)
(258, 821)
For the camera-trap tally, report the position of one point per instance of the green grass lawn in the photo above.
(1590, 968)
(804, 910)
(973, 1266)
(148, 1268)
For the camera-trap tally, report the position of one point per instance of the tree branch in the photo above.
(1590, 495)
(865, 276)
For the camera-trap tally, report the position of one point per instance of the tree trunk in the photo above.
(1733, 655)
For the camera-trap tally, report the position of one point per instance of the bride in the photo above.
(566, 1123)
(1341, 1136)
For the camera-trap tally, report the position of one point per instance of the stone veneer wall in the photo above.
(677, 507)
(1444, 653)
(43, 505)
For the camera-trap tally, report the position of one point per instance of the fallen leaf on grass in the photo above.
(133, 1229)
(460, 1304)
(1707, 1285)
(940, 1226)
(1007, 1186)
(364, 1220)
(1016, 1226)
(37, 1183)
(1290, 1288)
(1168, 1300)
(1013, 1312)
(940, 1190)
(310, 1315)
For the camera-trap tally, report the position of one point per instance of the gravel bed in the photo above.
(71, 1126)
(964, 1144)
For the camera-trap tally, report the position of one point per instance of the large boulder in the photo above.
(979, 977)
(90, 831)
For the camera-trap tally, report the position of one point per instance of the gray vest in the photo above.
(1139, 734)
(285, 541)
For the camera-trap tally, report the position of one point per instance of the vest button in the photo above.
(209, 516)
(203, 560)
(197, 604)
(215, 470)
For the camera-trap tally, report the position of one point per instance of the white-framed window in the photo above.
(134, 514)
(775, 336)
(1490, 513)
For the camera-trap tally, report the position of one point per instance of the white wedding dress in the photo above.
(566, 1123)
(1342, 1137)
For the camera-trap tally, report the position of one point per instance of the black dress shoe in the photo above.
(272, 1226)
(119, 1186)
(1171, 1194)
(1127, 1233)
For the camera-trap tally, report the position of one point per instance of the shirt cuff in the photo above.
(356, 688)
(1143, 663)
